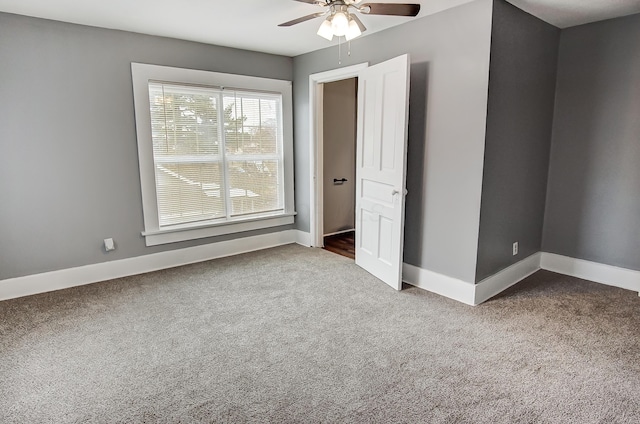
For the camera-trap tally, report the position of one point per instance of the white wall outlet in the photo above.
(515, 248)
(109, 245)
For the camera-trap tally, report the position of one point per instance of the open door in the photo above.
(381, 162)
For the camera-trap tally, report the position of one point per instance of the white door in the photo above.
(383, 100)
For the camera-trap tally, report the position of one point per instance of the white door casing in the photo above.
(383, 100)
(316, 82)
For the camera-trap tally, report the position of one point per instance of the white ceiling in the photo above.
(252, 24)
(568, 13)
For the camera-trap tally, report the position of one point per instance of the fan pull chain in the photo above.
(339, 50)
(349, 52)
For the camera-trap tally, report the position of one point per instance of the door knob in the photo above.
(394, 192)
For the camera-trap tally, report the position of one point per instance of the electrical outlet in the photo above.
(109, 245)
(515, 248)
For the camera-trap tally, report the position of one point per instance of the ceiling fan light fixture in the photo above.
(353, 31)
(340, 23)
(326, 30)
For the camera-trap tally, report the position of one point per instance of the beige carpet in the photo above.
(302, 335)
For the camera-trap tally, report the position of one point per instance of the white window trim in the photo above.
(141, 75)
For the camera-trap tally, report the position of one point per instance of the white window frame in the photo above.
(154, 235)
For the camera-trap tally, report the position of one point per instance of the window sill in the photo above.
(192, 232)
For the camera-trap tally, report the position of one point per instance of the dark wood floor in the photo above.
(343, 244)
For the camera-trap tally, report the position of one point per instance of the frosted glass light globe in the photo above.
(340, 24)
(325, 30)
(354, 30)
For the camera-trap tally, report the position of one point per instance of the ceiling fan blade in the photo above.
(394, 9)
(308, 1)
(302, 19)
(359, 22)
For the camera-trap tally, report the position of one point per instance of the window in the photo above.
(213, 160)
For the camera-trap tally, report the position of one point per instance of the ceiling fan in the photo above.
(341, 18)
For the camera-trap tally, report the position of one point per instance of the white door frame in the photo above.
(316, 160)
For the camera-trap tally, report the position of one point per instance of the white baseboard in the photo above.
(438, 283)
(71, 277)
(303, 238)
(506, 278)
(600, 273)
(468, 293)
(475, 294)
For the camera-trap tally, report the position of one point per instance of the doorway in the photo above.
(316, 151)
(339, 166)
(381, 146)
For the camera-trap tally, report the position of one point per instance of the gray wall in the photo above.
(522, 78)
(593, 200)
(447, 118)
(68, 163)
(339, 143)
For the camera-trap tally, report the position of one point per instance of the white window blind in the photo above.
(217, 153)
